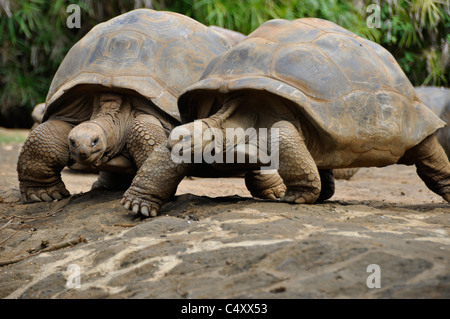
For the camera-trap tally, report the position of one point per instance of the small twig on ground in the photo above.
(44, 244)
(32, 218)
(64, 244)
(54, 247)
(124, 225)
(9, 222)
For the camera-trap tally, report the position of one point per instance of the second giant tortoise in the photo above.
(113, 99)
(318, 97)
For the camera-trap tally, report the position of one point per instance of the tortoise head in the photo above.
(87, 143)
(186, 141)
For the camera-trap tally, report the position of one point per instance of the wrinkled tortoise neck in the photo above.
(230, 104)
(112, 112)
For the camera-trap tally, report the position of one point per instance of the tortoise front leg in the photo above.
(145, 135)
(296, 166)
(43, 156)
(155, 183)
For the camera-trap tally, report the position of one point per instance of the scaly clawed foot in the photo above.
(265, 185)
(145, 205)
(275, 192)
(300, 197)
(38, 192)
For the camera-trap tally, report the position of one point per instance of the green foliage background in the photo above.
(34, 37)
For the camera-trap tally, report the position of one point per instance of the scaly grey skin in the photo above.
(154, 185)
(114, 139)
(300, 180)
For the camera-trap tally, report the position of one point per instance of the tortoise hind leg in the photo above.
(344, 173)
(266, 186)
(296, 165)
(432, 165)
(112, 181)
(327, 182)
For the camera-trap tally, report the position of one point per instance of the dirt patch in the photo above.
(215, 241)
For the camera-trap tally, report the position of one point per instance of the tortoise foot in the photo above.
(274, 192)
(145, 205)
(42, 192)
(300, 197)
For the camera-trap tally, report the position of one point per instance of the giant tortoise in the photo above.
(324, 98)
(114, 99)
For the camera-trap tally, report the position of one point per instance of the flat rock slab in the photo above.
(229, 247)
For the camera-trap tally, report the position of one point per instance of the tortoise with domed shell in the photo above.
(113, 99)
(336, 100)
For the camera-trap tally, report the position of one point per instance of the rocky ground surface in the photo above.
(215, 241)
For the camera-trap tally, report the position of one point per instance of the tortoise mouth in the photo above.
(89, 159)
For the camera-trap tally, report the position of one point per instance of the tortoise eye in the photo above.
(94, 141)
(72, 142)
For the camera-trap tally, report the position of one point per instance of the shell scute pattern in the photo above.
(144, 51)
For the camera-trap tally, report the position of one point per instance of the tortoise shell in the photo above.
(350, 90)
(232, 37)
(155, 54)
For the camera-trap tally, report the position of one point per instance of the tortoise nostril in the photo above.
(82, 155)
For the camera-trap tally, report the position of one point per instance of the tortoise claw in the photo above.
(38, 192)
(299, 197)
(46, 198)
(144, 211)
(56, 195)
(140, 204)
(34, 198)
(126, 203)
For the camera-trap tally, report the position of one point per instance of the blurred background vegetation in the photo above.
(34, 36)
